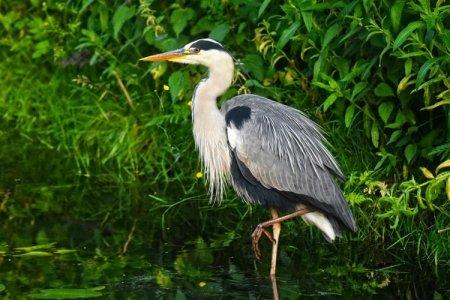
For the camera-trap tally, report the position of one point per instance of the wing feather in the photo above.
(284, 150)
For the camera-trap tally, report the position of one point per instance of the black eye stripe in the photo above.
(207, 45)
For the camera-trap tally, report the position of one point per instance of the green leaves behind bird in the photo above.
(385, 110)
(424, 70)
(180, 18)
(410, 152)
(122, 14)
(330, 34)
(349, 114)
(405, 33)
(287, 35)
(220, 32)
(383, 90)
(396, 14)
(179, 84)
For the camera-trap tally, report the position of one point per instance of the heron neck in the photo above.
(204, 102)
(209, 125)
(215, 85)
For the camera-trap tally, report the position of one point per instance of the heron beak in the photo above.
(175, 55)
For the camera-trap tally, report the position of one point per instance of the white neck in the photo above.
(209, 124)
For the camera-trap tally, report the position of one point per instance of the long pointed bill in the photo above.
(170, 56)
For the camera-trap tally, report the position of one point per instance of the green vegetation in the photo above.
(93, 140)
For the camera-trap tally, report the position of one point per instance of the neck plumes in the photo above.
(209, 125)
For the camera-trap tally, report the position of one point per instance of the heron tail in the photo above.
(328, 225)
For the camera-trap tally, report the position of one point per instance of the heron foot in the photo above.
(256, 235)
(261, 228)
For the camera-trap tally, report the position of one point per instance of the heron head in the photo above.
(206, 52)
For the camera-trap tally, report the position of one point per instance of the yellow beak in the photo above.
(170, 56)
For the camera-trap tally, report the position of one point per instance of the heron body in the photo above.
(272, 154)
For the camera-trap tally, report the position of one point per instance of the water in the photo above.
(90, 240)
(190, 271)
(140, 275)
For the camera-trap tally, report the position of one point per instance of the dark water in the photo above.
(185, 275)
(49, 249)
(52, 272)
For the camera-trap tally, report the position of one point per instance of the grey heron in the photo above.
(270, 153)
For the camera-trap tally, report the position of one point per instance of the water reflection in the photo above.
(129, 259)
(188, 274)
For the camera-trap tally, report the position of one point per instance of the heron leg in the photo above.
(273, 279)
(276, 229)
(261, 228)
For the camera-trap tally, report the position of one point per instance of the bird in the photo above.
(270, 153)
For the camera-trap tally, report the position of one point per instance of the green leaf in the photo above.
(329, 101)
(255, 65)
(34, 254)
(35, 247)
(65, 251)
(375, 134)
(400, 120)
(349, 115)
(203, 252)
(342, 65)
(219, 32)
(263, 7)
(307, 18)
(437, 104)
(166, 44)
(330, 34)
(446, 38)
(319, 64)
(180, 18)
(41, 48)
(445, 164)
(287, 35)
(405, 33)
(412, 54)
(408, 66)
(104, 18)
(122, 14)
(396, 14)
(410, 152)
(205, 24)
(162, 277)
(433, 191)
(178, 83)
(395, 136)
(323, 86)
(383, 90)
(385, 110)
(368, 5)
(358, 88)
(2, 288)
(424, 70)
(86, 4)
(68, 293)
(356, 70)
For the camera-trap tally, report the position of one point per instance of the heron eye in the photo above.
(195, 50)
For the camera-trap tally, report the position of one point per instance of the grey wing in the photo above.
(284, 150)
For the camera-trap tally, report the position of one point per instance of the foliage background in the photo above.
(89, 134)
